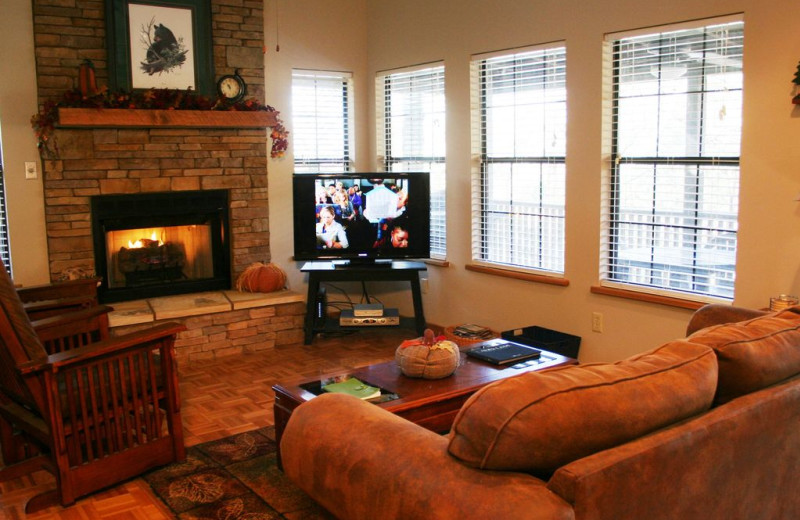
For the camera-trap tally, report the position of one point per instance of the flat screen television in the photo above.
(361, 217)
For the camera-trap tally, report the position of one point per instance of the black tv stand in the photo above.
(395, 271)
(366, 264)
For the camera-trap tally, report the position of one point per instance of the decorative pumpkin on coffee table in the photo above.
(259, 277)
(428, 357)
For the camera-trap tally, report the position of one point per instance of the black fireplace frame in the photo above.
(157, 209)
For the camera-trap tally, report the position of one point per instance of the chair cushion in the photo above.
(754, 354)
(539, 421)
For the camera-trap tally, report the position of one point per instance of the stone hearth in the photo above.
(218, 323)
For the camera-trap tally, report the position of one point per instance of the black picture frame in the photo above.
(180, 57)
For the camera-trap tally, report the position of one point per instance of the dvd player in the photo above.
(368, 309)
(390, 317)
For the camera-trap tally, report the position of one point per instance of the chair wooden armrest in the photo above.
(58, 290)
(73, 329)
(45, 308)
(64, 319)
(41, 301)
(115, 346)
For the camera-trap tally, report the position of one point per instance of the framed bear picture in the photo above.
(160, 44)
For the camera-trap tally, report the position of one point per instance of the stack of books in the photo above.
(354, 387)
(473, 332)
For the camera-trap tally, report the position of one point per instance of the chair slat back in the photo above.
(67, 335)
(18, 345)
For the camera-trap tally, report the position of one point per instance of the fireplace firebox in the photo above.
(158, 244)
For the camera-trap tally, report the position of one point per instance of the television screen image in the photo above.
(361, 216)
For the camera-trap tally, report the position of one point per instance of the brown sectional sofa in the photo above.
(702, 428)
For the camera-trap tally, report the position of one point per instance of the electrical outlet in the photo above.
(423, 284)
(597, 322)
(30, 170)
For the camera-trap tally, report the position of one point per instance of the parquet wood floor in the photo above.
(219, 398)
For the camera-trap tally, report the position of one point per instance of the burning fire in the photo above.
(139, 244)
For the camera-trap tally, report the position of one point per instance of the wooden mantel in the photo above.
(144, 118)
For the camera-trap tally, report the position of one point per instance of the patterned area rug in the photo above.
(235, 478)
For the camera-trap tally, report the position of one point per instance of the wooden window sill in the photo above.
(436, 262)
(646, 297)
(528, 277)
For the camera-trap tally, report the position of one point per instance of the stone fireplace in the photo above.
(115, 164)
(203, 153)
(112, 158)
(122, 162)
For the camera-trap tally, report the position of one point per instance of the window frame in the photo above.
(315, 164)
(555, 52)
(611, 222)
(388, 161)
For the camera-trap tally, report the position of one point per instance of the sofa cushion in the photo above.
(754, 354)
(539, 421)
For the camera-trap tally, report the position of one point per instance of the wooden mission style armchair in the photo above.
(92, 410)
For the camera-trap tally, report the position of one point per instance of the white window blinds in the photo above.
(5, 251)
(519, 118)
(321, 134)
(672, 203)
(411, 135)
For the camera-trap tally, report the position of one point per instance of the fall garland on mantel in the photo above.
(45, 121)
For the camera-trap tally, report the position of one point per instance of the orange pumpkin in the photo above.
(259, 277)
(427, 357)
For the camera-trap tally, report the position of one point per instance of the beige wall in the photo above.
(24, 199)
(420, 31)
(314, 35)
(365, 36)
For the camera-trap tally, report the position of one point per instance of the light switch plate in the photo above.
(30, 170)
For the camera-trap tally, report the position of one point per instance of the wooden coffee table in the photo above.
(430, 403)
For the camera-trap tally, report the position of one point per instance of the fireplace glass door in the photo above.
(160, 244)
(158, 255)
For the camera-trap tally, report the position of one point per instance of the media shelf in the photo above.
(398, 271)
(331, 326)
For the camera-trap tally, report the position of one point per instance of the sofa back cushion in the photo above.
(753, 354)
(539, 421)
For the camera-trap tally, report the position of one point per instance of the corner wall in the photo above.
(315, 34)
(420, 31)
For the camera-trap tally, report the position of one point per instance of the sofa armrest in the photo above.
(716, 313)
(360, 461)
(747, 451)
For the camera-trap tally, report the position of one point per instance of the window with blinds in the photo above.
(321, 112)
(672, 202)
(5, 251)
(411, 134)
(519, 120)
